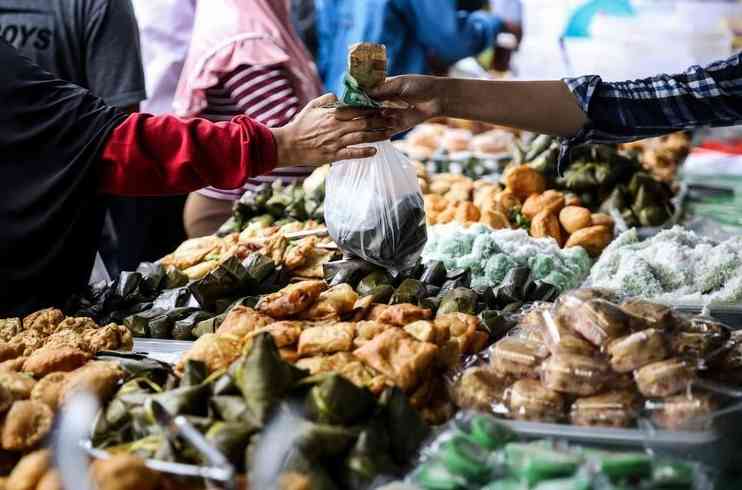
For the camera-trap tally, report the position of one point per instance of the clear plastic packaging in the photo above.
(687, 411)
(601, 321)
(652, 315)
(664, 378)
(518, 357)
(637, 350)
(575, 374)
(480, 388)
(560, 338)
(617, 408)
(374, 208)
(528, 399)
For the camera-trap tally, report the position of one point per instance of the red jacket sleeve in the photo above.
(159, 155)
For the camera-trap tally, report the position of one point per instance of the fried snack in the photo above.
(26, 425)
(67, 339)
(284, 333)
(6, 399)
(216, 351)
(518, 357)
(422, 330)
(375, 312)
(19, 385)
(192, 252)
(10, 351)
(402, 314)
(699, 324)
(242, 320)
(296, 256)
(109, 337)
(523, 181)
(593, 239)
(528, 399)
(466, 212)
(199, 271)
(507, 200)
(50, 481)
(685, 412)
(575, 374)
(43, 321)
(637, 350)
(123, 472)
(29, 471)
(649, 314)
(479, 388)
(399, 357)
(99, 378)
(324, 364)
(47, 360)
(76, 324)
(694, 345)
(30, 340)
(15, 365)
(449, 354)
(617, 408)
(664, 378)
(574, 218)
(602, 219)
(367, 330)
(294, 481)
(332, 304)
(600, 321)
(9, 328)
(327, 339)
(291, 300)
(494, 218)
(550, 201)
(545, 224)
(364, 377)
(367, 64)
(47, 390)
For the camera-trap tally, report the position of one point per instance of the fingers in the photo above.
(358, 138)
(350, 113)
(372, 123)
(323, 100)
(355, 153)
(389, 89)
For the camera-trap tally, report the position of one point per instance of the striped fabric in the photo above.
(264, 94)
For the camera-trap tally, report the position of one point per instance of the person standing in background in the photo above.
(93, 44)
(245, 59)
(414, 32)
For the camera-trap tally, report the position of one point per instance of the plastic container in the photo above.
(513, 356)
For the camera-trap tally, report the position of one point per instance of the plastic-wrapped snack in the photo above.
(687, 411)
(528, 399)
(601, 321)
(559, 338)
(567, 306)
(652, 315)
(576, 374)
(513, 356)
(637, 350)
(695, 345)
(479, 388)
(616, 408)
(664, 378)
(701, 324)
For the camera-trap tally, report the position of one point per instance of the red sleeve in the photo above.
(159, 155)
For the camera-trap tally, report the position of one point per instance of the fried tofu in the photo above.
(404, 313)
(327, 339)
(399, 356)
(216, 351)
(324, 364)
(284, 333)
(291, 300)
(422, 330)
(241, 321)
(367, 330)
(333, 303)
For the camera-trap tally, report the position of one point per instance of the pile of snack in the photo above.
(591, 361)
(337, 434)
(334, 330)
(661, 156)
(676, 266)
(476, 452)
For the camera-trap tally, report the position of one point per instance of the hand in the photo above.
(320, 134)
(420, 93)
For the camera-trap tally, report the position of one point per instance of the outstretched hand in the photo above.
(321, 133)
(419, 93)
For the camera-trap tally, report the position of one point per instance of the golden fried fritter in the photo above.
(26, 425)
(333, 303)
(192, 252)
(6, 399)
(47, 360)
(29, 471)
(20, 385)
(66, 338)
(48, 388)
(284, 333)
(50, 481)
(327, 339)
(10, 351)
(109, 337)
(123, 472)
(97, 377)
(216, 351)
(404, 313)
(30, 340)
(241, 321)
(292, 299)
(9, 328)
(76, 324)
(44, 321)
(13, 364)
(296, 256)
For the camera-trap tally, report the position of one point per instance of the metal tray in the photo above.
(163, 350)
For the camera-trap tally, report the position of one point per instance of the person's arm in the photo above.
(160, 155)
(112, 54)
(450, 34)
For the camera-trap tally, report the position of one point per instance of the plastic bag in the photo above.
(374, 209)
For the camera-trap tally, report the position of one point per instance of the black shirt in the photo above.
(51, 136)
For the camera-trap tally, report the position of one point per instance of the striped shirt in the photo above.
(263, 93)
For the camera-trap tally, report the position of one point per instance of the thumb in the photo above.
(390, 88)
(323, 100)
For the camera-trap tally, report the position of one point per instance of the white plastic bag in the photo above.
(374, 208)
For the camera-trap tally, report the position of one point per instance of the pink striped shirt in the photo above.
(265, 94)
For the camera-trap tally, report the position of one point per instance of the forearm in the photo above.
(163, 155)
(543, 106)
